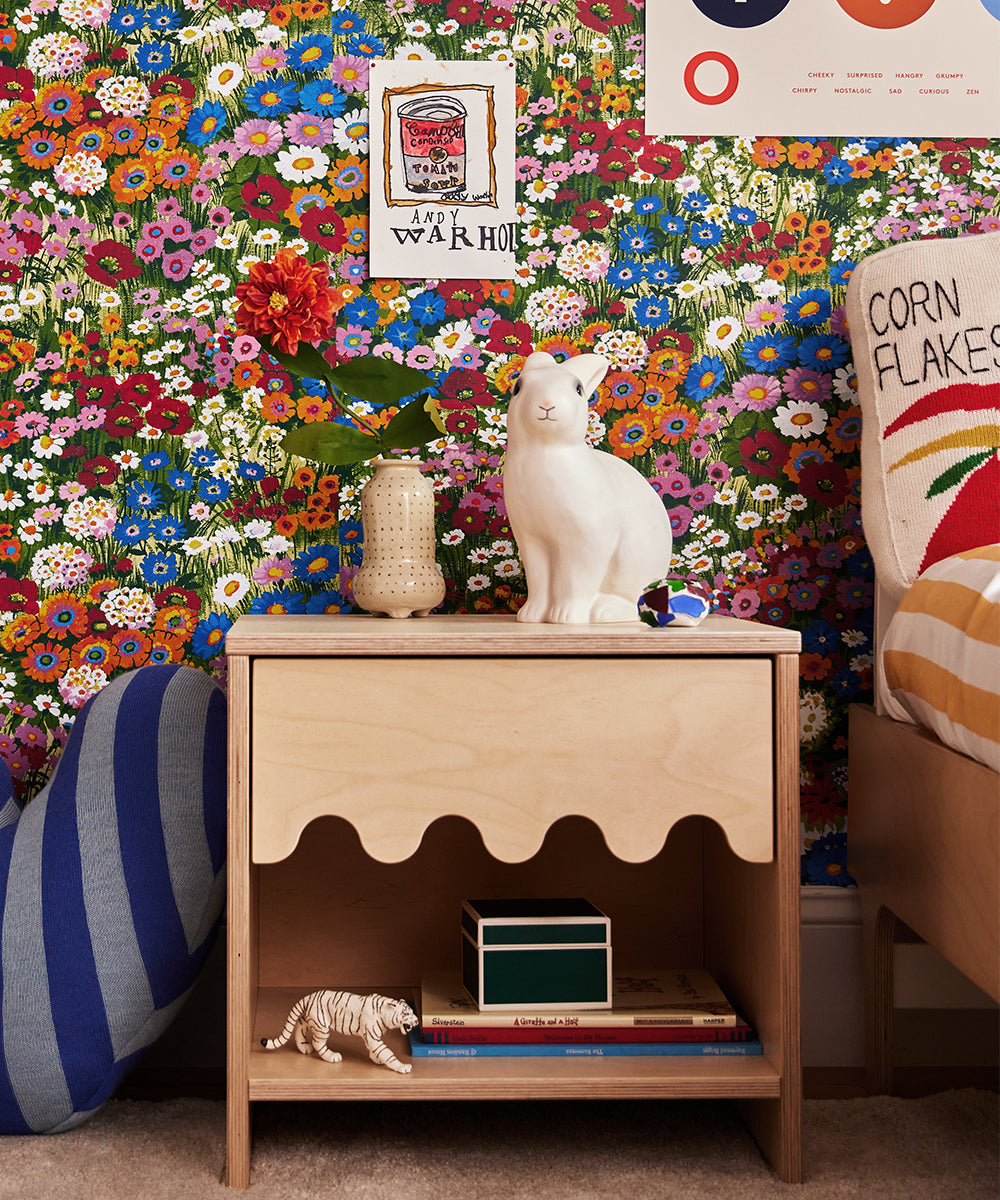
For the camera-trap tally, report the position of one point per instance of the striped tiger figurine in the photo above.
(313, 1018)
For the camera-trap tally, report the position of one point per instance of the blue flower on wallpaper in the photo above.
(345, 22)
(143, 496)
(673, 224)
(163, 17)
(402, 333)
(364, 310)
(320, 562)
(159, 567)
(648, 204)
(837, 170)
(278, 601)
(823, 352)
(635, 239)
(209, 635)
(769, 352)
(706, 233)
(213, 489)
(427, 308)
(312, 53)
(624, 273)
(133, 531)
(659, 271)
(826, 861)
(322, 98)
(206, 123)
(652, 311)
(272, 97)
(154, 57)
(810, 307)
(745, 216)
(705, 377)
(365, 45)
(169, 529)
(695, 202)
(180, 481)
(127, 19)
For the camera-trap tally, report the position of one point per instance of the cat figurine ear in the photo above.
(590, 529)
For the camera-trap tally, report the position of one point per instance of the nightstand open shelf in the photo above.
(382, 771)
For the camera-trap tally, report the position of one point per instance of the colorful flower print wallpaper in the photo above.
(151, 153)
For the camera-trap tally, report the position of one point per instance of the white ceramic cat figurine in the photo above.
(591, 531)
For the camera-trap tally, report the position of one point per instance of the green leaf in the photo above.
(415, 424)
(743, 425)
(378, 380)
(243, 169)
(306, 361)
(958, 472)
(331, 443)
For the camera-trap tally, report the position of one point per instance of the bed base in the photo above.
(924, 849)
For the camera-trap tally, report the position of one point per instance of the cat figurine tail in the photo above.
(591, 530)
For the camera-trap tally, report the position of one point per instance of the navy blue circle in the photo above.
(740, 14)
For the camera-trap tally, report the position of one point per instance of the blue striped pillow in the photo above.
(112, 883)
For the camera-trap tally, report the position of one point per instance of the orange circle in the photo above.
(732, 80)
(885, 14)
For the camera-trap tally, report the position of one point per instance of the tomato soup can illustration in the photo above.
(433, 143)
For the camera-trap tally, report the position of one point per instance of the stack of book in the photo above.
(652, 1013)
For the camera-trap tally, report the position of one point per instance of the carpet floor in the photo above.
(941, 1147)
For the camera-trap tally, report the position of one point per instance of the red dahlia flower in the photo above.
(287, 300)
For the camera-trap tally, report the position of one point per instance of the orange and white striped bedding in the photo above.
(941, 652)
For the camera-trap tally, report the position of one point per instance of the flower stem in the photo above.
(335, 396)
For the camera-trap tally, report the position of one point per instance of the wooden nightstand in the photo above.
(383, 771)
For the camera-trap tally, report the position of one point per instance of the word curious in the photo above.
(926, 336)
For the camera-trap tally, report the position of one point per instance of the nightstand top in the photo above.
(489, 635)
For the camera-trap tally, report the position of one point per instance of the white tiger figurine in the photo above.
(314, 1017)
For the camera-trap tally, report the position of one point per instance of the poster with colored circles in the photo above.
(830, 68)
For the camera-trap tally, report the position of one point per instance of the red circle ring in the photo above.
(723, 60)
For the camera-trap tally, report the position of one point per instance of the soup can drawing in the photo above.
(432, 131)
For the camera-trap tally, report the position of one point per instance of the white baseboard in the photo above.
(833, 979)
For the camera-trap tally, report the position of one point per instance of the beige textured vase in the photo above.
(398, 574)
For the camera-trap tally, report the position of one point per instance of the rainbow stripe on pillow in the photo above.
(941, 652)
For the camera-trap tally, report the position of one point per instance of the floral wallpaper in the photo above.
(150, 153)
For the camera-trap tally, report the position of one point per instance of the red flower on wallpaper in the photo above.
(601, 15)
(109, 261)
(287, 300)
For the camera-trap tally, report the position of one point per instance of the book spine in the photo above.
(420, 1049)
(566, 1036)
(590, 1020)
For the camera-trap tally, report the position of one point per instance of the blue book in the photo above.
(421, 1049)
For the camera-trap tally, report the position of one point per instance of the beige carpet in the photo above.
(940, 1147)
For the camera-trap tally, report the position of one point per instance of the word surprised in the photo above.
(429, 228)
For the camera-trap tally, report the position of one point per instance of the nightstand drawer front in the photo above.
(512, 744)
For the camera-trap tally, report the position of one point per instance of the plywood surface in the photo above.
(492, 635)
(513, 744)
(287, 1074)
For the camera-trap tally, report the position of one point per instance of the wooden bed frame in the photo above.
(924, 846)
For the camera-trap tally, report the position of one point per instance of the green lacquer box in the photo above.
(536, 954)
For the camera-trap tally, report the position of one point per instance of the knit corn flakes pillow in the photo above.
(924, 322)
(112, 883)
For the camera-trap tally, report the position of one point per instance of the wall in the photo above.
(147, 161)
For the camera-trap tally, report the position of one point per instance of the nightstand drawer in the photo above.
(512, 744)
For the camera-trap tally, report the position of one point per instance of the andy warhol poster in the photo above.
(442, 169)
